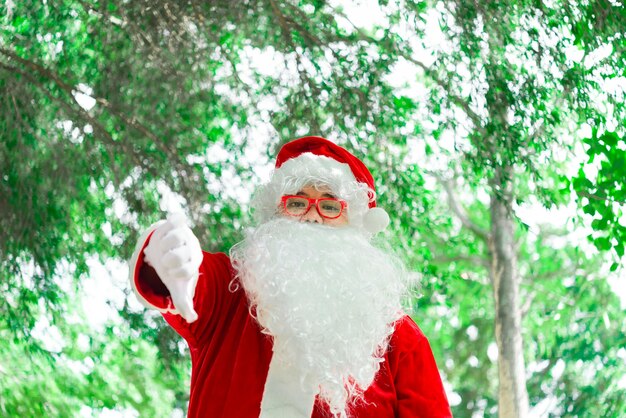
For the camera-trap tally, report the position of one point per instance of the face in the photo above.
(312, 215)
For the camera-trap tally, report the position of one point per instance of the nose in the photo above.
(312, 216)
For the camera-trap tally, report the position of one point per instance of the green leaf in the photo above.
(603, 243)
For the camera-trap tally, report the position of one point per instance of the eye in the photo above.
(331, 207)
(295, 204)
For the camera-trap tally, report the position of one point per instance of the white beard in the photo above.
(328, 298)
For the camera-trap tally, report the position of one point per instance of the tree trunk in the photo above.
(512, 394)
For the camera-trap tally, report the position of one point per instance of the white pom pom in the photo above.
(375, 220)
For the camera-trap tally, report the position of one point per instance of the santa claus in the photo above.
(304, 319)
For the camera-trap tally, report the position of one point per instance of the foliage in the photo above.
(71, 370)
(604, 197)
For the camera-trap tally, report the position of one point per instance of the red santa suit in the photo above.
(234, 371)
(231, 356)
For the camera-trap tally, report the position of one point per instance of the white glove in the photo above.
(175, 253)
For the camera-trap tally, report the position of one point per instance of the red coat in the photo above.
(230, 356)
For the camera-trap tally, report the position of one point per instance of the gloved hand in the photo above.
(175, 253)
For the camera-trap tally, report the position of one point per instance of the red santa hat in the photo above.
(322, 154)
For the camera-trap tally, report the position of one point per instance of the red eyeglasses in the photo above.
(327, 207)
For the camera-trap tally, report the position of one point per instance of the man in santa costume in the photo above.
(304, 318)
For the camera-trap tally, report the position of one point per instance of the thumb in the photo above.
(177, 219)
(179, 289)
(182, 299)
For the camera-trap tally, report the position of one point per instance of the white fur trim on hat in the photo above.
(316, 166)
(376, 220)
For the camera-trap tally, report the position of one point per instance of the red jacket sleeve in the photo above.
(419, 388)
(214, 279)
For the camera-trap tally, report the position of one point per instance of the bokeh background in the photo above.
(495, 132)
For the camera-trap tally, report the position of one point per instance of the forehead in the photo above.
(319, 190)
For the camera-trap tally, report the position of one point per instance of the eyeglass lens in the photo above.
(297, 206)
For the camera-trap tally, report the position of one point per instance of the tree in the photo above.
(507, 123)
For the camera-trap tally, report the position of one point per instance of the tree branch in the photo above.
(527, 302)
(599, 198)
(430, 73)
(459, 211)
(84, 115)
(457, 100)
(69, 89)
(285, 25)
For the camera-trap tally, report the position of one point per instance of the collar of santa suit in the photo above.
(284, 396)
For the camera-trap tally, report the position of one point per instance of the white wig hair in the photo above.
(318, 171)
